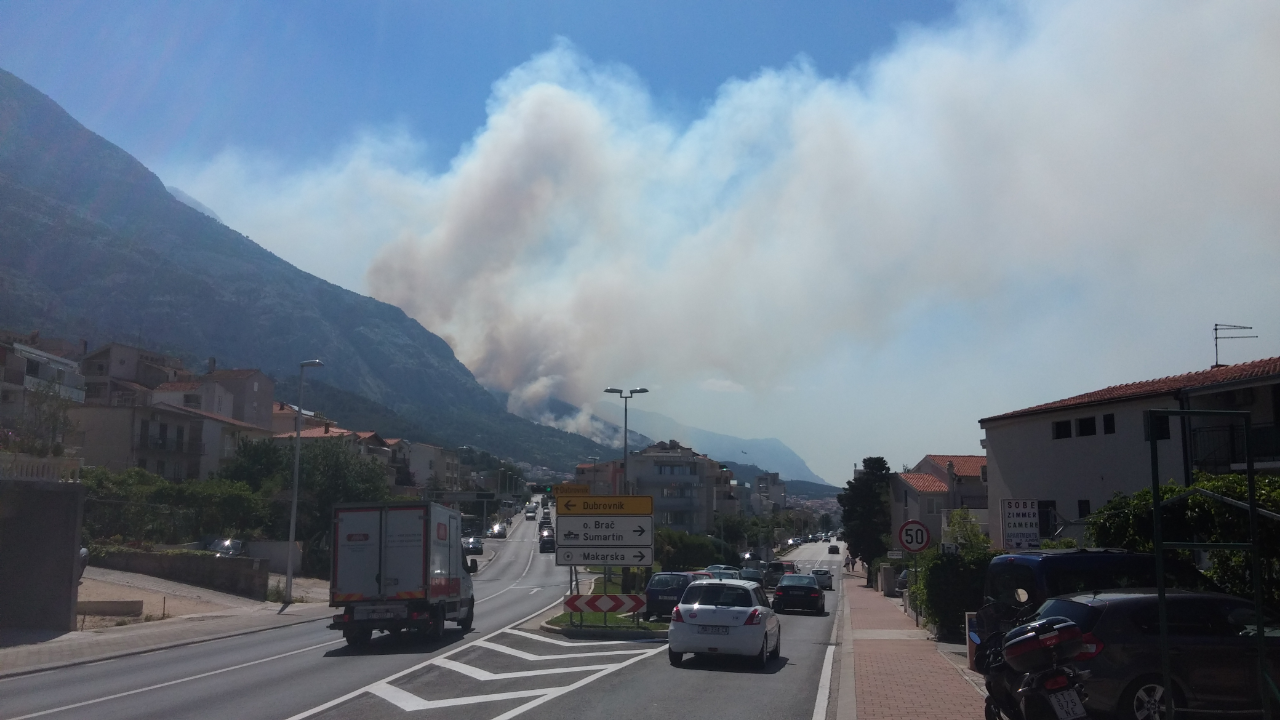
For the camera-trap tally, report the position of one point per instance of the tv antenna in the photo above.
(1217, 335)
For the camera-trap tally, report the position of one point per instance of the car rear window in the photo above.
(820, 571)
(776, 567)
(663, 582)
(1085, 616)
(722, 595)
(751, 574)
(798, 580)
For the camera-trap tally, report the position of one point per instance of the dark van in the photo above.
(663, 593)
(1018, 583)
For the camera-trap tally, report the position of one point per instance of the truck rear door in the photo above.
(357, 540)
(404, 553)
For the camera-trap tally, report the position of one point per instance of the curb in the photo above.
(602, 634)
(6, 674)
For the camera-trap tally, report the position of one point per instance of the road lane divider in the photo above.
(824, 679)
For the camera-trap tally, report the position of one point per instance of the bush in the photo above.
(948, 586)
(678, 550)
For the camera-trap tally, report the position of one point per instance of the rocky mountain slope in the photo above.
(93, 246)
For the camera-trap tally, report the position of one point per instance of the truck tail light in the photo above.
(753, 618)
(341, 618)
(676, 617)
(1091, 647)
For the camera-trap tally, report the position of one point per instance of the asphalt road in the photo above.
(490, 673)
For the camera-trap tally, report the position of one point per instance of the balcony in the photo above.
(13, 377)
(170, 446)
(1217, 449)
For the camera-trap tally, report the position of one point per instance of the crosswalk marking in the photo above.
(476, 673)
(530, 656)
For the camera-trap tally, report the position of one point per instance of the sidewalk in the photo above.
(892, 670)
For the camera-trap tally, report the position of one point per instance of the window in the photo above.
(932, 506)
(718, 595)
(160, 468)
(1086, 426)
(1109, 424)
(178, 436)
(191, 400)
(984, 473)
(1162, 427)
(142, 463)
(1082, 508)
(33, 368)
(6, 397)
(1061, 429)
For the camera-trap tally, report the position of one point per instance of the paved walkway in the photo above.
(892, 670)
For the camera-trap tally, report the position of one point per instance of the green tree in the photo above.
(964, 530)
(865, 510)
(44, 420)
(259, 463)
(678, 550)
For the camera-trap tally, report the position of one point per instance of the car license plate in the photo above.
(712, 630)
(666, 597)
(1067, 704)
(381, 615)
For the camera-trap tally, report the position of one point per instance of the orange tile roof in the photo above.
(1256, 370)
(924, 482)
(966, 465)
(234, 373)
(212, 416)
(318, 432)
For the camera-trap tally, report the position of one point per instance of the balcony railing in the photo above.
(1217, 448)
(169, 445)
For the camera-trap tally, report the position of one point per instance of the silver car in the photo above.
(823, 576)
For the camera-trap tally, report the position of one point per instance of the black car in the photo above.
(663, 592)
(547, 542)
(755, 576)
(800, 592)
(1212, 638)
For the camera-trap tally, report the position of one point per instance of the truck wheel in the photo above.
(357, 638)
(466, 622)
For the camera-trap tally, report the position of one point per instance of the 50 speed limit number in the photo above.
(913, 536)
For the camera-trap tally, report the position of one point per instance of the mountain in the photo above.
(769, 453)
(93, 246)
(192, 202)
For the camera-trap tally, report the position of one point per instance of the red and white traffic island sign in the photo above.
(604, 603)
(913, 536)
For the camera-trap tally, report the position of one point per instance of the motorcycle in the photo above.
(1028, 676)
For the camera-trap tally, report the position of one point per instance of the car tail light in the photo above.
(1091, 647)
(753, 618)
(676, 616)
(815, 593)
(1055, 682)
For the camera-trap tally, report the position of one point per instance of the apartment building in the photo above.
(1072, 455)
(25, 370)
(681, 482)
(434, 467)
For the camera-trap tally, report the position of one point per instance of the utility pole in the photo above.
(297, 454)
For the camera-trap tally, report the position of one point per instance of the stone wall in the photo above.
(247, 577)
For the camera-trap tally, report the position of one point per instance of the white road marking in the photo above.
(565, 643)
(476, 673)
(527, 565)
(409, 702)
(530, 656)
(534, 590)
(557, 692)
(824, 680)
(172, 682)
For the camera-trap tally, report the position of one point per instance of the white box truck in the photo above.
(398, 566)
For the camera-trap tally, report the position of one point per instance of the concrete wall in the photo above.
(276, 554)
(39, 553)
(108, 435)
(1024, 462)
(247, 577)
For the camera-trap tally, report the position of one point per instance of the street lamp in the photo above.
(297, 453)
(626, 464)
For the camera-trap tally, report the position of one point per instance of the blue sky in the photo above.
(181, 81)
(856, 227)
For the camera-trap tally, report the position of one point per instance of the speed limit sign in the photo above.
(913, 536)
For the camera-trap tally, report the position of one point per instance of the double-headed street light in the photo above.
(626, 463)
(297, 453)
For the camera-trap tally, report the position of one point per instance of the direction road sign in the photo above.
(894, 555)
(570, 489)
(611, 557)
(604, 603)
(604, 531)
(913, 536)
(604, 505)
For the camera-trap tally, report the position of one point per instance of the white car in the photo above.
(823, 576)
(724, 617)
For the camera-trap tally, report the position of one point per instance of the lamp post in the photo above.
(626, 463)
(297, 453)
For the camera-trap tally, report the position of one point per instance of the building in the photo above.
(966, 480)
(174, 442)
(434, 467)
(916, 496)
(604, 478)
(252, 390)
(768, 494)
(284, 415)
(1072, 455)
(681, 482)
(196, 395)
(25, 370)
(123, 375)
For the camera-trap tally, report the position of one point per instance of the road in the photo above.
(490, 673)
